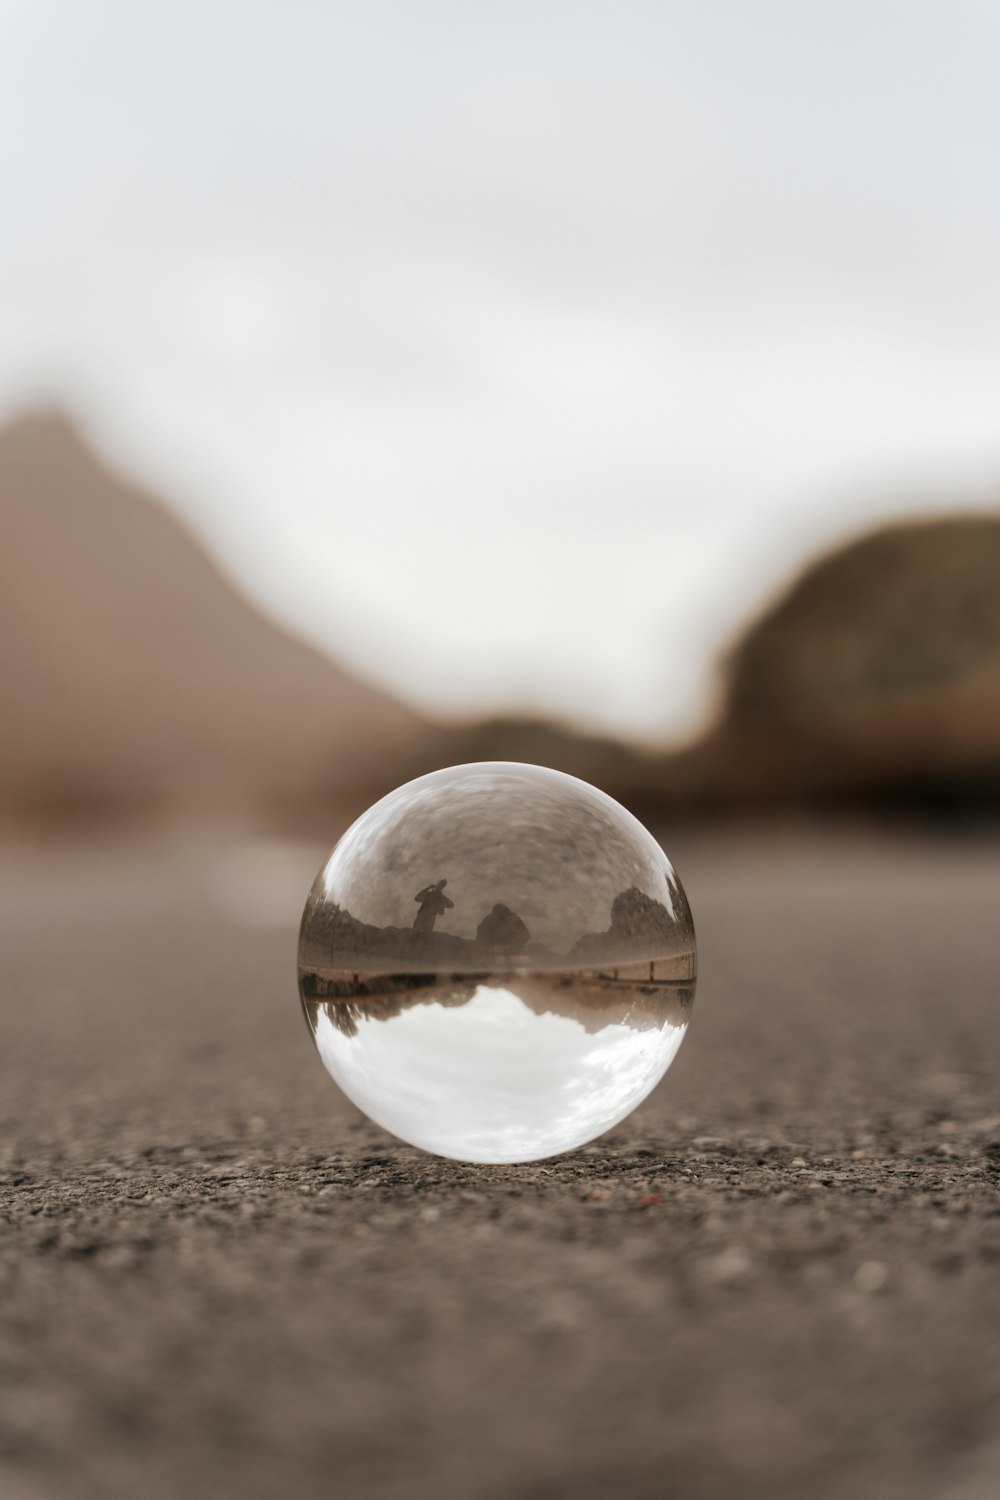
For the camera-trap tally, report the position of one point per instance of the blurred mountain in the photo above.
(136, 679)
(875, 675)
(619, 768)
(877, 672)
(138, 682)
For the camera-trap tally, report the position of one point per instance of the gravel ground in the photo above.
(779, 1278)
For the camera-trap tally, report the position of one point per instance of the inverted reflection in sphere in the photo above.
(497, 962)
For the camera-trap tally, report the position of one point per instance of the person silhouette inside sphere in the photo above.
(502, 932)
(433, 904)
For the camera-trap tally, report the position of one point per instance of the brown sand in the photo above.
(780, 1278)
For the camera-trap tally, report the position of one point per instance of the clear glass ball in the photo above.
(497, 962)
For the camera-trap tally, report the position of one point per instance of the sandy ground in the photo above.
(779, 1278)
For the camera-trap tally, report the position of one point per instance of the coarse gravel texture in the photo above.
(779, 1278)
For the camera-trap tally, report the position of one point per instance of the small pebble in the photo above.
(871, 1276)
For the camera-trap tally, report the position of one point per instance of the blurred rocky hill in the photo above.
(138, 682)
(875, 676)
(877, 673)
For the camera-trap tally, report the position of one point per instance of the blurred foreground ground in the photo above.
(781, 1277)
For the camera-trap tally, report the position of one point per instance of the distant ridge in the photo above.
(875, 674)
(135, 678)
(137, 683)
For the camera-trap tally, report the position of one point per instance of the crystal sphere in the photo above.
(497, 962)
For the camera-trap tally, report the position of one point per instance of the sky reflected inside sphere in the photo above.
(493, 1080)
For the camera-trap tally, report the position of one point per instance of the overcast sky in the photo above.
(514, 351)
